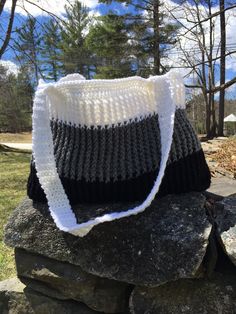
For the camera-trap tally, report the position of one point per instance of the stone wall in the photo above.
(178, 256)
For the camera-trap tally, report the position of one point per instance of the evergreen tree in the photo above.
(108, 40)
(75, 56)
(151, 34)
(15, 101)
(27, 46)
(50, 52)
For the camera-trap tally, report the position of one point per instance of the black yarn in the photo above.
(190, 173)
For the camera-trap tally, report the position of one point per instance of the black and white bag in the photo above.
(100, 141)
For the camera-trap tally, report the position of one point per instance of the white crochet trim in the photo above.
(108, 102)
(59, 206)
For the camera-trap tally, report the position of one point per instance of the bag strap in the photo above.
(43, 154)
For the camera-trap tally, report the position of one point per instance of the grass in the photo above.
(14, 170)
(24, 137)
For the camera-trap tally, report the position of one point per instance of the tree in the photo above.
(108, 42)
(151, 34)
(7, 28)
(222, 67)
(196, 111)
(15, 101)
(27, 46)
(200, 52)
(200, 58)
(75, 56)
(49, 50)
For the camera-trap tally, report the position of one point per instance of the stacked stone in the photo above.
(178, 256)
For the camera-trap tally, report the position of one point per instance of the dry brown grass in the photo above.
(226, 156)
(24, 137)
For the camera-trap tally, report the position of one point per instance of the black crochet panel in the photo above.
(190, 173)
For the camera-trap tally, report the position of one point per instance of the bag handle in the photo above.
(43, 154)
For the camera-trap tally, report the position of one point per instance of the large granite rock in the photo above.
(165, 243)
(15, 298)
(226, 225)
(188, 296)
(62, 280)
(149, 263)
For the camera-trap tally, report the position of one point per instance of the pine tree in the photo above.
(16, 93)
(49, 51)
(75, 56)
(108, 41)
(27, 46)
(151, 34)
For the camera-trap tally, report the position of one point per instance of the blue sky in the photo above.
(99, 9)
(56, 6)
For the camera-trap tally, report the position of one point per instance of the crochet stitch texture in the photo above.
(112, 140)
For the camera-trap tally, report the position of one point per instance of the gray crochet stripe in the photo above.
(118, 153)
(185, 141)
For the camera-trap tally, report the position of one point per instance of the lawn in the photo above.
(14, 170)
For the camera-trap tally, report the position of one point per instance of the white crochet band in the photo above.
(172, 97)
(107, 102)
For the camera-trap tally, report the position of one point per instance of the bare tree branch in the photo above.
(193, 86)
(46, 11)
(138, 6)
(198, 64)
(9, 29)
(208, 18)
(224, 86)
(31, 61)
(217, 88)
(32, 17)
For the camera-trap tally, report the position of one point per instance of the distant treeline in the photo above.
(16, 94)
(16, 98)
(196, 111)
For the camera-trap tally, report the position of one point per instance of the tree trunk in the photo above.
(211, 74)
(206, 98)
(156, 44)
(35, 59)
(222, 69)
(208, 114)
(213, 127)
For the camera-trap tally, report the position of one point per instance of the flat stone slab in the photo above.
(188, 296)
(223, 186)
(166, 242)
(65, 281)
(12, 284)
(226, 221)
(15, 298)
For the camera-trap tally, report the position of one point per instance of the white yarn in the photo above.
(72, 77)
(107, 102)
(166, 93)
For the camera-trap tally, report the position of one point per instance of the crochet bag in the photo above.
(97, 141)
